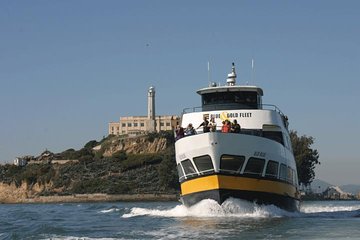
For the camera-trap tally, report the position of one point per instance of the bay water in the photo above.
(234, 219)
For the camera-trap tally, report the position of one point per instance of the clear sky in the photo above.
(67, 68)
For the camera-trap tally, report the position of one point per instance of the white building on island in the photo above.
(20, 162)
(143, 124)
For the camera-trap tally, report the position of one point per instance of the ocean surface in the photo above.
(234, 219)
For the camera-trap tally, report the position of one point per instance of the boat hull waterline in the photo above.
(221, 187)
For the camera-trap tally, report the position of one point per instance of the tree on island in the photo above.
(306, 158)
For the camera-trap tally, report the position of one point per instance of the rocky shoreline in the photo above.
(81, 198)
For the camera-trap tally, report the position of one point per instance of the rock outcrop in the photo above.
(136, 145)
(10, 193)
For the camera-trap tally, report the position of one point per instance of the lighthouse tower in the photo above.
(151, 109)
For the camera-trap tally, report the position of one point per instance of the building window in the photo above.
(129, 124)
(231, 163)
(254, 166)
(272, 169)
(204, 164)
(135, 124)
(168, 124)
(118, 128)
(112, 128)
(188, 168)
(161, 124)
(142, 124)
(123, 124)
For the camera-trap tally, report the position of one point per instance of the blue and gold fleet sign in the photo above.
(226, 115)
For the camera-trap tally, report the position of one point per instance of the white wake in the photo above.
(243, 209)
(210, 208)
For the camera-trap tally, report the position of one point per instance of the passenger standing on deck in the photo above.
(190, 130)
(212, 125)
(179, 132)
(226, 127)
(205, 125)
(235, 127)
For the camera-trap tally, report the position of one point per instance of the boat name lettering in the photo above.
(232, 115)
(259, 154)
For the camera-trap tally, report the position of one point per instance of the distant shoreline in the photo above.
(97, 197)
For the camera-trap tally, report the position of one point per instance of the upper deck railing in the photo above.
(221, 107)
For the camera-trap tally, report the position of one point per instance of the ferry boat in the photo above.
(255, 164)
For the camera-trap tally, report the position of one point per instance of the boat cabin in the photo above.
(231, 97)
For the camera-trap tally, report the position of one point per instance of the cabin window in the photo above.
(287, 143)
(231, 163)
(283, 172)
(254, 166)
(272, 169)
(289, 175)
(180, 172)
(189, 168)
(294, 177)
(239, 99)
(204, 164)
(274, 135)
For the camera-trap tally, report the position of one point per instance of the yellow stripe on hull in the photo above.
(214, 182)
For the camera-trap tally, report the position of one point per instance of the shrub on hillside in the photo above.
(138, 160)
(168, 177)
(91, 144)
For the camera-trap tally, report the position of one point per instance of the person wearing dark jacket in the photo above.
(235, 127)
(205, 125)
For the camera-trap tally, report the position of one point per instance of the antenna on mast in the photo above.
(252, 71)
(231, 79)
(208, 66)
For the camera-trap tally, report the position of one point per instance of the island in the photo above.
(117, 168)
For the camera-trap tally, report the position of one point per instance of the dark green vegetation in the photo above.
(306, 157)
(125, 173)
(37, 173)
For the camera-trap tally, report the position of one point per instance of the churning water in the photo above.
(234, 219)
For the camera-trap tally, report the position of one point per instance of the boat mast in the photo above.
(231, 78)
(252, 71)
(208, 65)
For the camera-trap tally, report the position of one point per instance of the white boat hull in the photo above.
(220, 185)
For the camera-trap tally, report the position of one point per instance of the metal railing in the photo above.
(190, 110)
(223, 107)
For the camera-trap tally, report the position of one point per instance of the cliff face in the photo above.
(136, 145)
(10, 193)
